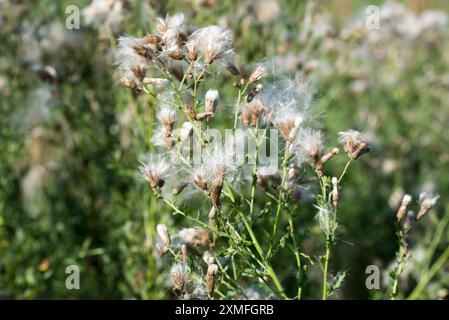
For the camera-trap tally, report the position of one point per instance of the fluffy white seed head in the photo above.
(308, 146)
(131, 59)
(214, 43)
(155, 170)
(162, 138)
(200, 177)
(167, 116)
(427, 200)
(178, 274)
(350, 139)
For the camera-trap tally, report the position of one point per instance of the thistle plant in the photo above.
(405, 219)
(239, 213)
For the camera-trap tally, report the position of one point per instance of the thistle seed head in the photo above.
(354, 143)
(259, 73)
(155, 170)
(427, 200)
(167, 116)
(178, 274)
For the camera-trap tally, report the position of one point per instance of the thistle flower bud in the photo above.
(257, 74)
(335, 192)
(212, 271)
(177, 275)
(184, 253)
(327, 156)
(204, 115)
(361, 149)
(254, 91)
(179, 188)
(427, 201)
(232, 68)
(215, 191)
(213, 213)
(207, 256)
(406, 200)
(217, 184)
(408, 221)
(211, 101)
(163, 234)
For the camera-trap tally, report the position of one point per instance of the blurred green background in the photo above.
(71, 137)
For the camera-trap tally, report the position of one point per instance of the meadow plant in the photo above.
(230, 249)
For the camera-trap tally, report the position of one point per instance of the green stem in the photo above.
(254, 172)
(256, 244)
(344, 170)
(279, 200)
(237, 106)
(326, 264)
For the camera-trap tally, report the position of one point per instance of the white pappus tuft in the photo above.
(167, 116)
(155, 170)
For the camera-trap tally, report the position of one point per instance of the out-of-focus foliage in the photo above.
(71, 137)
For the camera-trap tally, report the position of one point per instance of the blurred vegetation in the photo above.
(70, 143)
